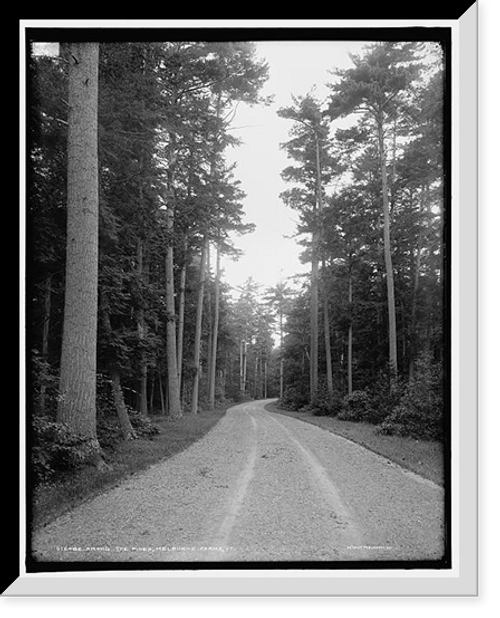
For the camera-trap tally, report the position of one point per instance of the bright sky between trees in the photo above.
(295, 67)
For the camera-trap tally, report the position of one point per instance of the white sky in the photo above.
(294, 68)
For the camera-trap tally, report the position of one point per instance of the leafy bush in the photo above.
(45, 385)
(419, 413)
(295, 398)
(324, 405)
(55, 448)
(384, 396)
(143, 426)
(356, 407)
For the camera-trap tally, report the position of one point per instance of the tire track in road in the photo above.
(287, 506)
(235, 501)
(401, 514)
(351, 535)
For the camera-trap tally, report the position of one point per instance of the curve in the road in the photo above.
(258, 487)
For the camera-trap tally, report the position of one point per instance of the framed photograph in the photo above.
(248, 307)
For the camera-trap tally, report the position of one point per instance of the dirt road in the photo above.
(258, 487)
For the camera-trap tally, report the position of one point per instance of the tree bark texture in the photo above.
(141, 332)
(181, 310)
(324, 283)
(349, 337)
(174, 402)
(215, 334)
(391, 302)
(77, 400)
(128, 431)
(282, 359)
(197, 337)
(328, 346)
(314, 323)
(46, 334)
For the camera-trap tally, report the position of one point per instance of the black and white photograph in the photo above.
(238, 299)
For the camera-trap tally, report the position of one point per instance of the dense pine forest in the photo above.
(132, 205)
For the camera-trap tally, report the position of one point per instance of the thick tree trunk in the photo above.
(77, 400)
(391, 302)
(197, 337)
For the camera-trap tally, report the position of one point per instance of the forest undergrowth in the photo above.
(165, 438)
(424, 457)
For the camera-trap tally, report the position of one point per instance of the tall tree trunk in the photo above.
(265, 378)
(316, 239)
(391, 303)
(162, 398)
(416, 282)
(242, 379)
(209, 317)
(141, 329)
(349, 337)
(174, 402)
(114, 373)
(197, 336)
(182, 307)
(120, 407)
(245, 365)
(215, 333)
(328, 346)
(255, 374)
(45, 334)
(77, 389)
(314, 324)
(152, 391)
(282, 359)
(324, 285)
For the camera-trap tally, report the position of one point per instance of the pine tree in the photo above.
(308, 146)
(376, 86)
(77, 398)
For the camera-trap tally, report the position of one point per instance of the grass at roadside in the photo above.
(52, 500)
(421, 456)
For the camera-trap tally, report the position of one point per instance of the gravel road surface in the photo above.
(258, 487)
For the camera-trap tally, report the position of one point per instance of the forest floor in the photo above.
(50, 500)
(424, 457)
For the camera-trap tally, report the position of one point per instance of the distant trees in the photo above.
(279, 298)
(380, 231)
